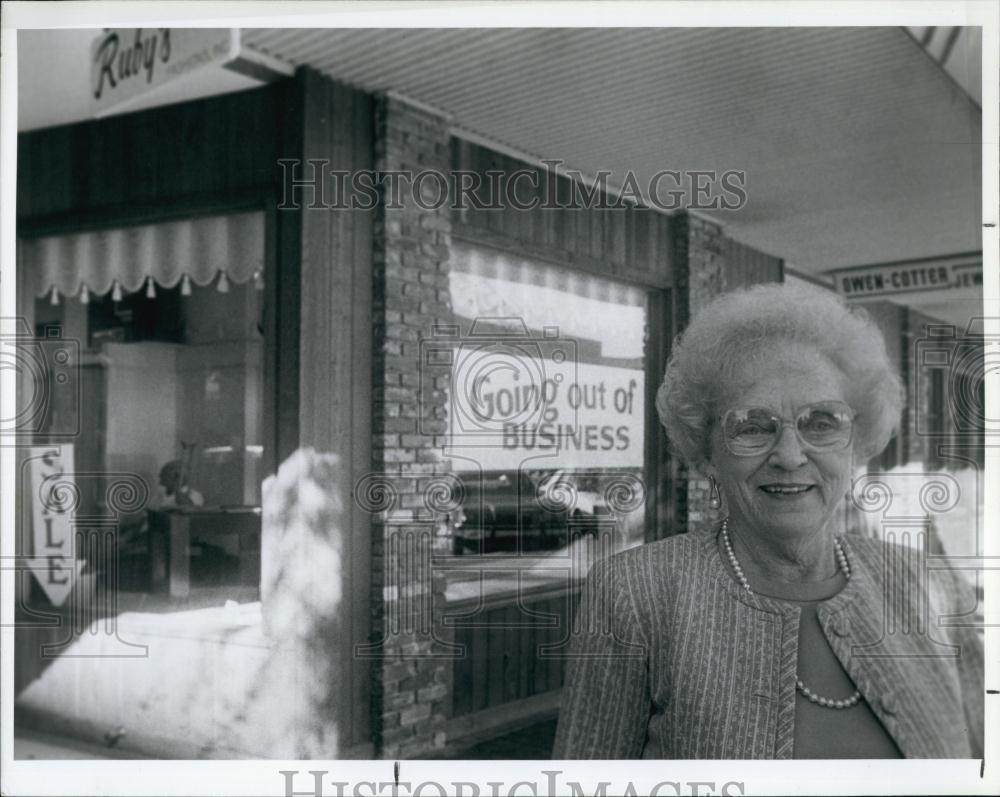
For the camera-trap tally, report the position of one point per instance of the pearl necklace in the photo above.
(845, 568)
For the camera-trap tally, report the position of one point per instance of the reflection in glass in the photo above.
(171, 392)
(547, 408)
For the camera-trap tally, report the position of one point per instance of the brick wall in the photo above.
(699, 250)
(707, 264)
(920, 400)
(411, 681)
(891, 321)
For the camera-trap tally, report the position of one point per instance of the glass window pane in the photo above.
(546, 419)
(170, 393)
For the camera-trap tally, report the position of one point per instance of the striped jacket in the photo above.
(671, 658)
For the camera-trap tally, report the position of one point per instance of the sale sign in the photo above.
(53, 499)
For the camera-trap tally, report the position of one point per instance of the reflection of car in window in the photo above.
(529, 511)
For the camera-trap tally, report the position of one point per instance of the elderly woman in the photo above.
(767, 635)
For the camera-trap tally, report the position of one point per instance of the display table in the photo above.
(171, 532)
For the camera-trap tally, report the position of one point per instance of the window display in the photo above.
(168, 324)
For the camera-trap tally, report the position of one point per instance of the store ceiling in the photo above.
(857, 146)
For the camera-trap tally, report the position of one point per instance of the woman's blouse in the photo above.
(670, 658)
(824, 732)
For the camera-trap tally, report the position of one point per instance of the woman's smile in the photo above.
(790, 489)
(786, 491)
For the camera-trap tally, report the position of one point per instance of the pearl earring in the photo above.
(714, 498)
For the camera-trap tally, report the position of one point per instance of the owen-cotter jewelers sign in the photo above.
(890, 279)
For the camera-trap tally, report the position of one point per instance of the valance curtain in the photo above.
(489, 283)
(200, 249)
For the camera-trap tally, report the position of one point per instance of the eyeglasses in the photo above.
(823, 426)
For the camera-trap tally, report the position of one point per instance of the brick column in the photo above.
(917, 414)
(700, 276)
(411, 670)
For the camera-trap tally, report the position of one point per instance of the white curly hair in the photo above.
(734, 331)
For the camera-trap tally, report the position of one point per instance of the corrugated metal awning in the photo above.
(858, 148)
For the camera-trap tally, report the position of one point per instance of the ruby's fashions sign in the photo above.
(129, 66)
(126, 62)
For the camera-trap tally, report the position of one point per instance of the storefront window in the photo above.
(546, 421)
(167, 320)
(546, 438)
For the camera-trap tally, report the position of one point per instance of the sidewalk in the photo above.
(533, 742)
(33, 745)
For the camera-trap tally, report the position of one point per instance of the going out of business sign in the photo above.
(557, 414)
(891, 279)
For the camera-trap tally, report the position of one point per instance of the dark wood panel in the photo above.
(746, 266)
(477, 651)
(495, 656)
(529, 652)
(503, 663)
(333, 387)
(284, 313)
(168, 160)
(553, 660)
(485, 726)
(549, 632)
(462, 681)
(512, 654)
(663, 516)
(594, 239)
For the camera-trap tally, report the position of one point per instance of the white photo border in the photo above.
(140, 777)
